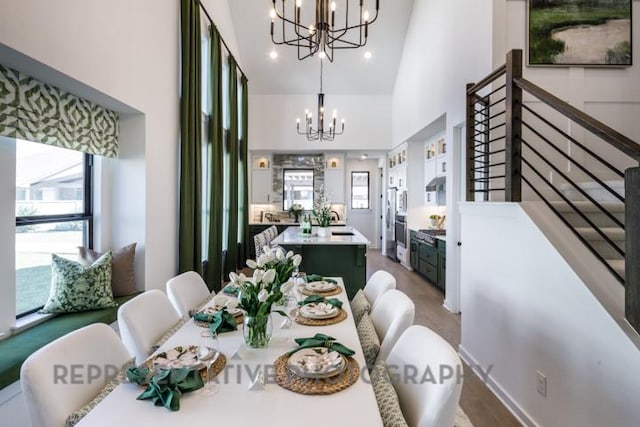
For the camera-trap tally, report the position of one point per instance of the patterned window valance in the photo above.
(35, 111)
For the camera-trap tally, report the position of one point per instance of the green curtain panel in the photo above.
(232, 242)
(244, 155)
(214, 249)
(35, 111)
(190, 226)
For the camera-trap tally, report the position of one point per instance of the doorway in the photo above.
(363, 190)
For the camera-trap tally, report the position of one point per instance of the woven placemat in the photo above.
(289, 380)
(307, 292)
(216, 368)
(301, 320)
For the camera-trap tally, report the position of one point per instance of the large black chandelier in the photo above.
(319, 133)
(323, 34)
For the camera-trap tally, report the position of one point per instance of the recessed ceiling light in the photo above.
(364, 156)
(273, 54)
(367, 55)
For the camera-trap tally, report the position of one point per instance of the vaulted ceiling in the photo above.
(350, 73)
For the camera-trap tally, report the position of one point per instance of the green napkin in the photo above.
(231, 290)
(321, 340)
(165, 387)
(319, 298)
(319, 278)
(220, 322)
(139, 375)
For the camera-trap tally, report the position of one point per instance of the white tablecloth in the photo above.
(235, 404)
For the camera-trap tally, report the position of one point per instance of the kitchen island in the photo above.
(342, 254)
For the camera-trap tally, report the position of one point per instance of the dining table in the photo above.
(237, 402)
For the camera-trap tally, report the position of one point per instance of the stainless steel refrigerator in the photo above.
(390, 232)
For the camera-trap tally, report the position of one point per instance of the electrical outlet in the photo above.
(541, 384)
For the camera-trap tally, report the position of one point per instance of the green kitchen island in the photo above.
(342, 254)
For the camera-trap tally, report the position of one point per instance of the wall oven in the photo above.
(401, 230)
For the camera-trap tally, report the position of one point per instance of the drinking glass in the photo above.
(208, 353)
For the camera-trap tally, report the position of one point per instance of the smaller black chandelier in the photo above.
(319, 133)
(321, 35)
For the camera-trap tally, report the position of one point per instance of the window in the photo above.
(298, 188)
(53, 215)
(359, 190)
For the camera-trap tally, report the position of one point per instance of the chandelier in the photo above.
(319, 133)
(321, 35)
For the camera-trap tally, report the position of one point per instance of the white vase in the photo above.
(324, 232)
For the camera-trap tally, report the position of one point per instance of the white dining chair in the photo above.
(427, 403)
(68, 373)
(143, 320)
(393, 314)
(187, 291)
(380, 282)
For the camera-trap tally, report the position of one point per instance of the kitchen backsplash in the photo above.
(281, 162)
(262, 213)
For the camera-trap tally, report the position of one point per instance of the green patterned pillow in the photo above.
(77, 288)
(386, 396)
(359, 306)
(369, 340)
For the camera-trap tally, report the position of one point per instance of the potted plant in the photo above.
(295, 210)
(322, 214)
(435, 219)
(272, 278)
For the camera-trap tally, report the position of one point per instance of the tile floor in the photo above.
(479, 403)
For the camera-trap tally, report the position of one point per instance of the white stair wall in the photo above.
(535, 299)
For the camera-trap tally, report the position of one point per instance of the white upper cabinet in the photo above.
(334, 177)
(261, 179)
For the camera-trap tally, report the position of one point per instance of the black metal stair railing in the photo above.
(511, 141)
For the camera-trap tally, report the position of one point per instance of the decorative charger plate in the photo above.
(321, 286)
(318, 310)
(177, 357)
(317, 362)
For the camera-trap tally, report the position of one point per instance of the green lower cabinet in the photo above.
(346, 261)
(442, 264)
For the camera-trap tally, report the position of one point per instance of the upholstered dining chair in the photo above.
(143, 320)
(393, 314)
(380, 282)
(187, 291)
(427, 403)
(68, 373)
(264, 238)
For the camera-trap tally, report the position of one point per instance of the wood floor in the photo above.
(480, 404)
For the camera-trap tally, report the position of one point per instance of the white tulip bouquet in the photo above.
(272, 278)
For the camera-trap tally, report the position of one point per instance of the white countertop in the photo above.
(292, 223)
(292, 236)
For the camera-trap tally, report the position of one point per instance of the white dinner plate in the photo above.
(317, 362)
(319, 310)
(178, 357)
(321, 286)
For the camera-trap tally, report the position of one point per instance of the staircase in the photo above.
(609, 251)
(517, 151)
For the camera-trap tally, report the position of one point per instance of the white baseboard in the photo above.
(499, 392)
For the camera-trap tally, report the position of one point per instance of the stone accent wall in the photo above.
(280, 162)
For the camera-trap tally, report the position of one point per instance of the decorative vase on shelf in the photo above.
(257, 330)
(434, 222)
(324, 232)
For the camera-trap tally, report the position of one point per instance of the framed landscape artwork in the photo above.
(594, 33)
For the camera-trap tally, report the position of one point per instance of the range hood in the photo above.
(437, 184)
